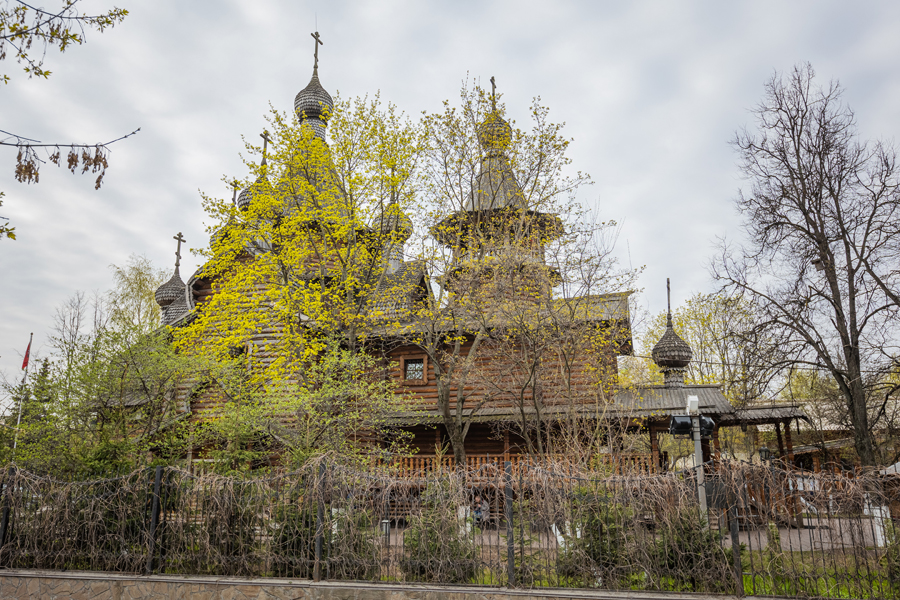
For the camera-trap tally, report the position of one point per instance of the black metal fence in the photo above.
(764, 531)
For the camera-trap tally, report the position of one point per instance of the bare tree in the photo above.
(491, 194)
(28, 32)
(812, 216)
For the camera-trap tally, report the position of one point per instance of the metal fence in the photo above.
(765, 531)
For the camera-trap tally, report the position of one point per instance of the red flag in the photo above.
(27, 353)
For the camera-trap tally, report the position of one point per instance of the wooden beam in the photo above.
(654, 448)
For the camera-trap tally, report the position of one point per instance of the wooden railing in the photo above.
(490, 465)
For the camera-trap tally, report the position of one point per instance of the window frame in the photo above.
(404, 359)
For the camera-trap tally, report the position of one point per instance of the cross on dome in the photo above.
(493, 94)
(180, 239)
(313, 104)
(318, 43)
(265, 136)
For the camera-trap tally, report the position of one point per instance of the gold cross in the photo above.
(318, 43)
(178, 251)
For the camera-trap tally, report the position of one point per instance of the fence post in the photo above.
(154, 519)
(320, 525)
(736, 545)
(508, 513)
(4, 523)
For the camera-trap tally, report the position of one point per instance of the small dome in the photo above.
(313, 102)
(672, 352)
(219, 234)
(244, 199)
(246, 196)
(171, 290)
(393, 220)
(494, 133)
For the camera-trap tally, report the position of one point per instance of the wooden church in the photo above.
(479, 385)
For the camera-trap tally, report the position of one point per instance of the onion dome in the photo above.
(494, 133)
(172, 295)
(392, 220)
(171, 290)
(313, 104)
(671, 353)
(257, 188)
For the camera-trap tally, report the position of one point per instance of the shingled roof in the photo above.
(394, 295)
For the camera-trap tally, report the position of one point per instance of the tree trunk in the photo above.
(859, 418)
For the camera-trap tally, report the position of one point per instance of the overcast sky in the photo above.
(651, 93)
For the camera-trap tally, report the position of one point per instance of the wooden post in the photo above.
(506, 445)
(716, 443)
(654, 448)
(787, 439)
(707, 454)
(780, 440)
(734, 532)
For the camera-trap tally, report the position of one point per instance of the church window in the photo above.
(415, 370)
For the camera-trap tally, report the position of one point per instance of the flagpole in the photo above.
(21, 398)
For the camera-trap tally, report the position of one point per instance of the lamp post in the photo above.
(764, 454)
(699, 427)
(693, 409)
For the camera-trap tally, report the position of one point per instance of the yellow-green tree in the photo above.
(106, 393)
(298, 266)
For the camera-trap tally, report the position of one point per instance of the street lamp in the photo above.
(764, 454)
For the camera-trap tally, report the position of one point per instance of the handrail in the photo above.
(421, 465)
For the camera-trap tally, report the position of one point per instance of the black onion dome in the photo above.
(244, 199)
(171, 290)
(393, 220)
(494, 133)
(671, 351)
(313, 102)
(259, 187)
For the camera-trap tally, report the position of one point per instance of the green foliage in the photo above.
(336, 400)
(688, 555)
(596, 552)
(294, 543)
(435, 547)
(104, 397)
(348, 548)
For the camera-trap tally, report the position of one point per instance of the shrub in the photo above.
(595, 554)
(434, 547)
(689, 556)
